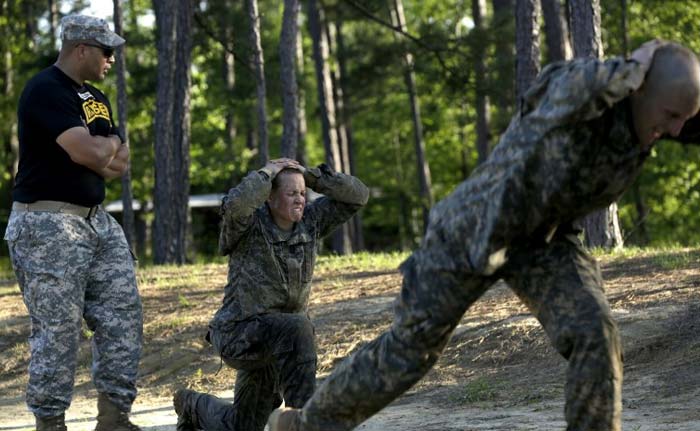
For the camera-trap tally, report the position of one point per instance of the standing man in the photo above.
(577, 141)
(263, 329)
(71, 257)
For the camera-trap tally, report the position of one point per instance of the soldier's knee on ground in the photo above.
(301, 334)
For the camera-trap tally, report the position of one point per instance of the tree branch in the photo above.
(209, 32)
(418, 41)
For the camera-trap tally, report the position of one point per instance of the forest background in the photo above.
(407, 95)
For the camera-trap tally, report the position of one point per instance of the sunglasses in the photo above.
(107, 52)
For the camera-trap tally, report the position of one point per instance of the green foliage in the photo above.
(183, 301)
(6, 271)
(670, 182)
(377, 103)
(362, 261)
(669, 257)
(477, 390)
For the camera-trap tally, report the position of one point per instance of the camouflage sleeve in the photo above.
(238, 207)
(580, 90)
(344, 195)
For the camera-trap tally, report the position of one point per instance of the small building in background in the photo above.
(203, 229)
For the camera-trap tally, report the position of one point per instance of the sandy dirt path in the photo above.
(498, 372)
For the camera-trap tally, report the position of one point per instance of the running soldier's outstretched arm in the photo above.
(582, 89)
(534, 174)
(344, 195)
(238, 207)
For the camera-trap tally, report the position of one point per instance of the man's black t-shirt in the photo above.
(52, 103)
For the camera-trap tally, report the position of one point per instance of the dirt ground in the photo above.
(497, 373)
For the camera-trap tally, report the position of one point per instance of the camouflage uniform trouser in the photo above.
(559, 283)
(70, 268)
(275, 357)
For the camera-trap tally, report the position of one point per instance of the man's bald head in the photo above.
(674, 68)
(670, 93)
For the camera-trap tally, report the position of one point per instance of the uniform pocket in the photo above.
(13, 231)
(46, 249)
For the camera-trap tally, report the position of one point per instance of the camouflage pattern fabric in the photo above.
(262, 329)
(270, 270)
(70, 268)
(568, 150)
(275, 354)
(83, 27)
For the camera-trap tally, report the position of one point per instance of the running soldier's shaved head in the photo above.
(675, 67)
(670, 93)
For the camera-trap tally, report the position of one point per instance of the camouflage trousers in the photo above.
(558, 281)
(70, 268)
(275, 358)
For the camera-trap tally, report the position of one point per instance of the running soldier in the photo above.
(577, 141)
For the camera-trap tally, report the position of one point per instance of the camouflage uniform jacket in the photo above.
(270, 270)
(569, 149)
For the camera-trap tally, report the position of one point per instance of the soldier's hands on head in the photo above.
(275, 166)
(644, 55)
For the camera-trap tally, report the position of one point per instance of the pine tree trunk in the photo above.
(345, 233)
(258, 63)
(623, 25)
(602, 228)
(290, 91)
(9, 37)
(120, 62)
(301, 110)
(53, 21)
(12, 146)
(585, 28)
(424, 182)
(357, 237)
(406, 234)
(556, 31)
(483, 135)
(330, 32)
(639, 204)
(527, 45)
(503, 70)
(340, 242)
(172, 127)
(324, 84)
(228, 71)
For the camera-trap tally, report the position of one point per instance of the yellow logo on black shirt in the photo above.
(94, 109)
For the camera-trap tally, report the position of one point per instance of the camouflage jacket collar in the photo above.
(273, 234)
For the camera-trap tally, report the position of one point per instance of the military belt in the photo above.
(56, 207)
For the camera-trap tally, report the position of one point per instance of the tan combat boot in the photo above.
(286, 419)
(54, 423)
(110, 418)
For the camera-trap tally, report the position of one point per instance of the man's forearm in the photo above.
(118, 165)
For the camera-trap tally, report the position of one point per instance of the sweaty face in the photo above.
(287, 202)
(657, 113)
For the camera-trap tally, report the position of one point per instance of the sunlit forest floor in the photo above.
(498, 372)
